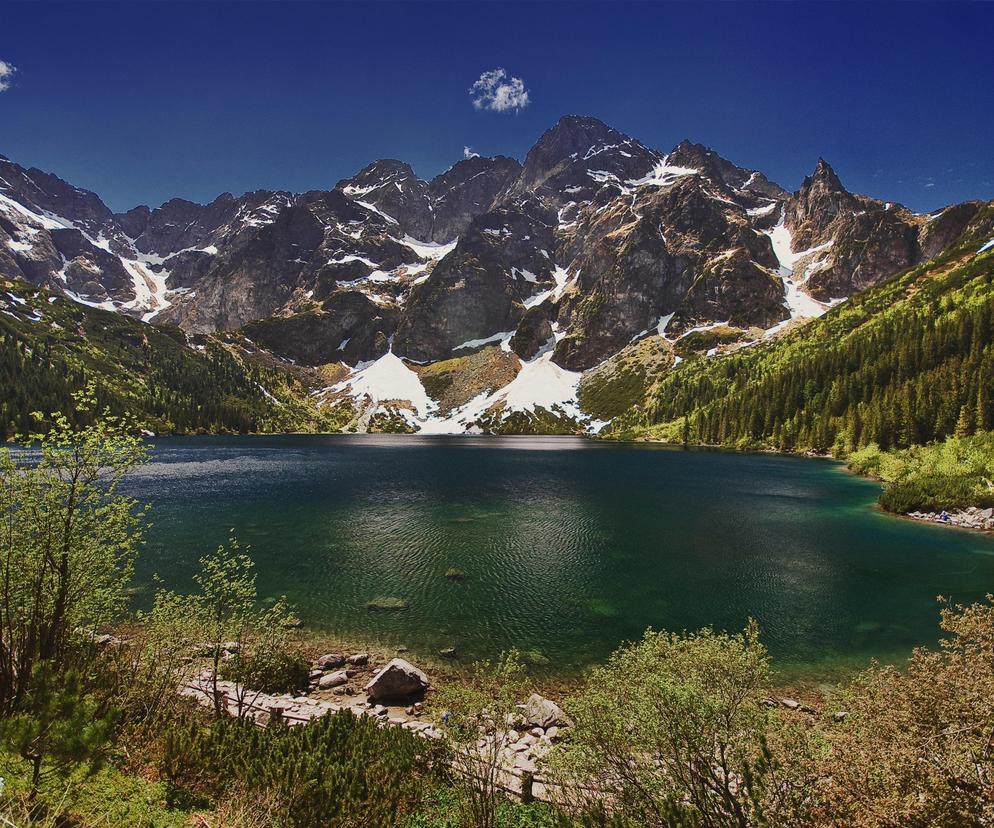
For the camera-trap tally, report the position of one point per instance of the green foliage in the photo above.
(699, 341)
(57, 726)
(142, 672)
(241, 638)
(143, 370)
(955, 473)
(675, 728)
(480, 713)
(270, 667)
(917, 745)
(68, 541)
(104, 797)
(442, 808)
(338, 771)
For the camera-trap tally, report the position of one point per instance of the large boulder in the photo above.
(539, 711)
(399, 680)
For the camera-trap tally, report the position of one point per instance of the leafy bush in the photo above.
(673, 730)
(933, 493)
(271, 669)
(952, 474)
(916, 747)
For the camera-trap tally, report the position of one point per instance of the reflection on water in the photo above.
(569, 546)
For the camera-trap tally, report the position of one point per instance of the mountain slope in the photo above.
(51, 347)
(587, 273)
(904, 363)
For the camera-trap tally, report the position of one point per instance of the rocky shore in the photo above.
(394, 694)
(969, 518)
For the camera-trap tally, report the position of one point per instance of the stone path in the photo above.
(521, 754)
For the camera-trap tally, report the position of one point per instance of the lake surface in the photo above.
(570, 545)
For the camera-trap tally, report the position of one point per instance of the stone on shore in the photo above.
(335, 679)
(399, 680)
(330, 661)
(539, 711)
(358, 660)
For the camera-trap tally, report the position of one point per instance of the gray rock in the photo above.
(539, 711)
(335, 679)
(359, 659)
(330, 660)
(399, 680)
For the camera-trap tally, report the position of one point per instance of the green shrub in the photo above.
(339, 771)
(269, 669)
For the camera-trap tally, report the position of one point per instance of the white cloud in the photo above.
(496, 91)
(6, 75)
(467, 152)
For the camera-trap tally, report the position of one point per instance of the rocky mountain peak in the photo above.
(47, 193)
(578, 156)
(382, 173)
(824, 177)
(722, 171)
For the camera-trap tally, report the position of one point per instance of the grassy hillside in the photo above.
(906, 363)
(51, 346)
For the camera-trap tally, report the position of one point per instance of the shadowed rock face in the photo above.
(478, 289)
(468, 189)
(573, 160)
(393, 189)
(349, 328)
(675, 250)
(435, 211)
(584, 247)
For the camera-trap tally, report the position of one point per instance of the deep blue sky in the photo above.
(144, 101)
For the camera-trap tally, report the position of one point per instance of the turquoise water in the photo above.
(570, 546)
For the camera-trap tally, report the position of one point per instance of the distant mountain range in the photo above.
(498, 296)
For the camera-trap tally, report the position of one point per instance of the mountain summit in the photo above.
(500, 287)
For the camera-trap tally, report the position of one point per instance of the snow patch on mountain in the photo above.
(539, 384)
(386, 379)
(429, 250)
(662, 175)
(796, 299)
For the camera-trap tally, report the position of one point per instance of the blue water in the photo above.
(571, 546)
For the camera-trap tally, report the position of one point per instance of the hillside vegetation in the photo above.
(906, 363)
(51, 347)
